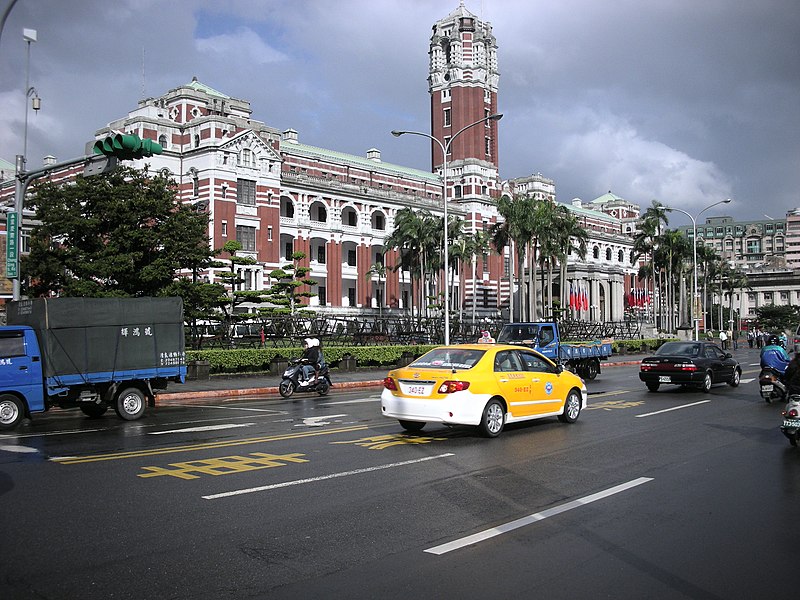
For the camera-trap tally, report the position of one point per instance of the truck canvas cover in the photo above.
(79, 336)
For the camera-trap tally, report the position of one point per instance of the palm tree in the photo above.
(511, 232)
(479, 244)
(380, 270)
(645, 240)
(570, 237)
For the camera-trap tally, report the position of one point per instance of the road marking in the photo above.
(19, 449)
(274, 486)
(73, 460)
(604, 394)
(360, 401)
(51, 433)
(204, 428)
(266, 410)
(318, 421)
(658, 412)
(748, 380)
(525, 521)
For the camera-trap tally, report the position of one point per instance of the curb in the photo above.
(171, 398)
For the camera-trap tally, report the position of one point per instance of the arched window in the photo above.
(620, 256)
(596, 252)
(608, 254)
(162, 141)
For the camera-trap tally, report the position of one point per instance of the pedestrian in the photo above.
(750, 337)
(723, 339)
(735, 339)
(759, 338)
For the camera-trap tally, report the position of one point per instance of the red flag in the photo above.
(585, 300)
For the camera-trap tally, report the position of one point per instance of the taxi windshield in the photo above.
(448, 358)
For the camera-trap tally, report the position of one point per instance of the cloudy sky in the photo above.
(684, 101)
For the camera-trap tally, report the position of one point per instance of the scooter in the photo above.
(791, 420)
(291, 383)
(770, 384)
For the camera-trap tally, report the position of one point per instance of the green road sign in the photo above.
(12, 252)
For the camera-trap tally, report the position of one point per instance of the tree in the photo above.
(378, 269)
(777, 318)
(118, 234)
(289, 279)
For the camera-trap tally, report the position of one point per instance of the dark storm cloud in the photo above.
(684, 102)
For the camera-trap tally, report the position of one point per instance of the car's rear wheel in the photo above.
(572, 408)
(652, 386)
(737, 376)
(412, 426)
(705, 387)
(494, 417)
(592, 369)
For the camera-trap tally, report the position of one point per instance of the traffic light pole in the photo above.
(93, 165)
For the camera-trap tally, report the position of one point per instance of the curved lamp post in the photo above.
(695, 317)
(445, 150)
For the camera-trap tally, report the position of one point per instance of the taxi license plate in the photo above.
(416, 390)
(791, 423)
(664, 379)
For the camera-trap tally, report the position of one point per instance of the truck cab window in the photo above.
(11, 345)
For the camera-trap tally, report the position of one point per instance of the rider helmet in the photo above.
(773, 340)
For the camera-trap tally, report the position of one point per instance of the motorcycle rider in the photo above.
(792, 376)
(313, 354)
(774, 356)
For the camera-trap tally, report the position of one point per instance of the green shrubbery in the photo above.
(254, 360)
(258, 359)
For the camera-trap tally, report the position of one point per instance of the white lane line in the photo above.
(49, 434)
(748, 380)
(19, 449)
(274, 486)
(361, 401)
(524, 521)
(266, 410)
(318, 421)
(203, 428)
(658, 412)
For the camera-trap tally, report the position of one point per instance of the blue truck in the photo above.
(89, 353)
(582, 357)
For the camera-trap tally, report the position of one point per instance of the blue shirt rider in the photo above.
(774, 356)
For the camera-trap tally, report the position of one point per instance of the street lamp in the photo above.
(445, 150)
(694, 259)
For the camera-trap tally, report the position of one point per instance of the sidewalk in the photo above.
(239, 386)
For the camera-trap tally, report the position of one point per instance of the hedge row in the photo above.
(259, 359)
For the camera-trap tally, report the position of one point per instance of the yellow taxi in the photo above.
(487, 385)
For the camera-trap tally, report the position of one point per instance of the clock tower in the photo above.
(462, 82)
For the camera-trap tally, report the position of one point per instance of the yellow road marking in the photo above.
(605, 394)
(74, 460)
(224, 465)
(381, 442)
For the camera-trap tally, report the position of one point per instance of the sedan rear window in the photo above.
(448, 358)
(679, 349)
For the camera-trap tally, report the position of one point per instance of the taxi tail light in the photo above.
(448, 387)
(389, 384)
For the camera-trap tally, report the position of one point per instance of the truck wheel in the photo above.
(90, 409)
(11, 411)
(130, 404)
(592, 369)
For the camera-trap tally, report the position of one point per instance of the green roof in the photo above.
(201, 87)
(358, 161)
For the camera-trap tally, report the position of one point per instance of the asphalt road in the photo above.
(676, 494)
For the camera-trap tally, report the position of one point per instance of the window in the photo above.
(596, 252)
(321, 255)
(322, 294)
(246, 236)
(447, 144)
(608, 254)
(246, 158)
(351, 258)
(351, 296)
(224, 229)
(506, 361)
(269, 233)
(488, 146)
(446, 120)
(12, 344)
(288, 249)
(162, 141)
(246, 192)
(457, 191)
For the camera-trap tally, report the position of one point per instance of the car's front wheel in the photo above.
(494, 417)
(572, 408)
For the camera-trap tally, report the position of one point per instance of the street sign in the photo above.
(12, 252)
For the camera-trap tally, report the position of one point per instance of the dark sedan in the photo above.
(696, 364)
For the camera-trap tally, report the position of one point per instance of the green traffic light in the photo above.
(126, 146)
